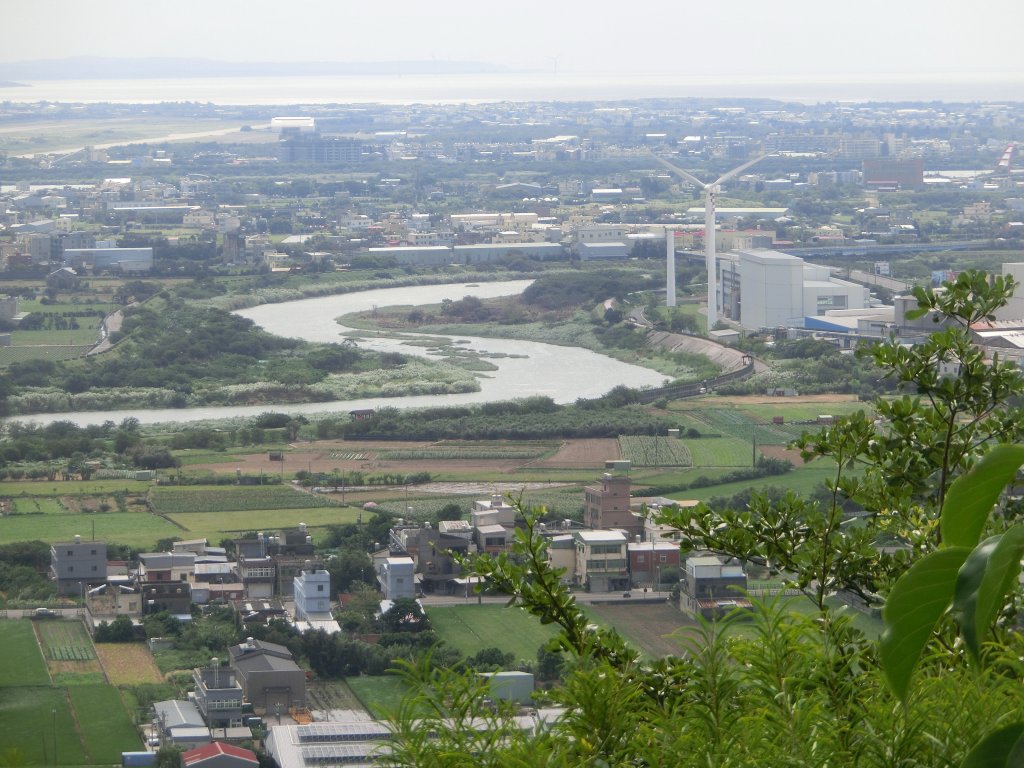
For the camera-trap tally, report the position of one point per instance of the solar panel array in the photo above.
(339, 732)
(341, 753)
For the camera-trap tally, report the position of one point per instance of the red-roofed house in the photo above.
(216, 754)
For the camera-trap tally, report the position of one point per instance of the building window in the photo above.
(69, 553)
(319, 587)
(663, 558)
(94, 569)
(92, 551)
(640, 558)
(71, 569)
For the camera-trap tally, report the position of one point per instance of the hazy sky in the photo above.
(741, 37)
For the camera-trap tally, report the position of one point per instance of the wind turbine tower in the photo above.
(670, 267)
(710, 193)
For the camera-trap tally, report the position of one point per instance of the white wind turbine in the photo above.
(710, 192)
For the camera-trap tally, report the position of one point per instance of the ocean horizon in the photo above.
(518, 87)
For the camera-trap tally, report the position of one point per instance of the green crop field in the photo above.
(441, 453)
(647, 451)
(803, 481)
(170, 501)
(37, 506)
(217, 525)
(17, 488)
(65, 641)
(20, 662)
(37, 722)
(720, 452)
(139, 529)
(381, 695)
(472, 627)
(106, 725)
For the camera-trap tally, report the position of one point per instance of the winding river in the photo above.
(531, 368)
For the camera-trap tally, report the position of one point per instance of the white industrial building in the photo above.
(779, 290)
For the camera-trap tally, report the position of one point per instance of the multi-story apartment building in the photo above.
(78, 565)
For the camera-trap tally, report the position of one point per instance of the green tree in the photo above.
(796, 689)
(405, 615)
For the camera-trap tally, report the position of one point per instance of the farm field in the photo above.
(325, 695)
(107, 729)
(69, 652)
(20, 662)
(81, 724)
(217, 525)
(139, 529)
(381, 695)
(469, 628)
(652, 451)
(803, 480)
(655, 629)
(170, 501)
(38, 722)
(485, 450)
(720, 452)
(14, 488)
(483, 458)
(128, 663)
(37, 506)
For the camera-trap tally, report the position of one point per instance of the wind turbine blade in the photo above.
(742, 168)
(679, 171)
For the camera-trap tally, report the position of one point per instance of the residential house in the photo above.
(433, 551)
(601, 564)
(607, 505)
(253, 612)
(181, 724)
(175, 597)
(258, 575)
(654, 531)
(63, 279)
(217, 754)
(115, 598)
(167, 566)
(712, 588)
(78, 565)
(651, 561)
(218, 695)
(271, 680)
(562, 555)
(397, 577)
(312, 591)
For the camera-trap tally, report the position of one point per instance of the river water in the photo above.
(561, 373)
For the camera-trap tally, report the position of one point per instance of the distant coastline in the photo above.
(11, 84)
(160, 68)
(479, 88)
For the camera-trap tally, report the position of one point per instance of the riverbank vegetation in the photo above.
(170, 356)
(590, 309)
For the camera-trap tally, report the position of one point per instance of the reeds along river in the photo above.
(524, 368)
